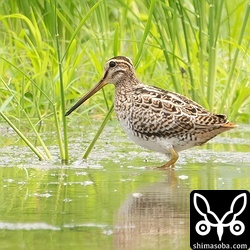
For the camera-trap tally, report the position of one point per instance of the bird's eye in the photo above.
(112, 64)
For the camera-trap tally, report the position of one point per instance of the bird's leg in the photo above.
(173, 158)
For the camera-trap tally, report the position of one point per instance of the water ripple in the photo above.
(27, 226)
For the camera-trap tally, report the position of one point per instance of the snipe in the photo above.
(154, 118)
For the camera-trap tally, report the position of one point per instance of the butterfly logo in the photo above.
(203, 227)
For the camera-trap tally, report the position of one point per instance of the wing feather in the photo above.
(157, 112)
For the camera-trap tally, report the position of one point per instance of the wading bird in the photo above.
(154, 118)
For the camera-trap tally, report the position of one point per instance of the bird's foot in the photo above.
(173, 158)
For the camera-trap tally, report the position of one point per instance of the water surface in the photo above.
(115, 200)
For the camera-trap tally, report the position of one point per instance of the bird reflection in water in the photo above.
(155, 217)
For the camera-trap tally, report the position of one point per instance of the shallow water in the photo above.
(115, 200)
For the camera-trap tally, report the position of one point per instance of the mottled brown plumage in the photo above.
(154, 118)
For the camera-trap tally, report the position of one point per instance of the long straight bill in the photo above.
(97, 87)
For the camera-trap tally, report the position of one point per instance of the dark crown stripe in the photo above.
(122, 59)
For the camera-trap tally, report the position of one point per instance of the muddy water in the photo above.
(115, 200)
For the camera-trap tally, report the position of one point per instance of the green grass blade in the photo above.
(79, 27)
(65, 152)
(228, 87)
(161, 17)
(91, 145)
(59, 136)
(186, 35)
(117, 40)
(29, 121)
(22, 136)
(145, 34)
(215, 11)
(65, 155)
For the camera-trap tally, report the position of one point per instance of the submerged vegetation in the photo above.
(52, 52)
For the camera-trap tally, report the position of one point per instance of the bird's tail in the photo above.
(229, 125)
